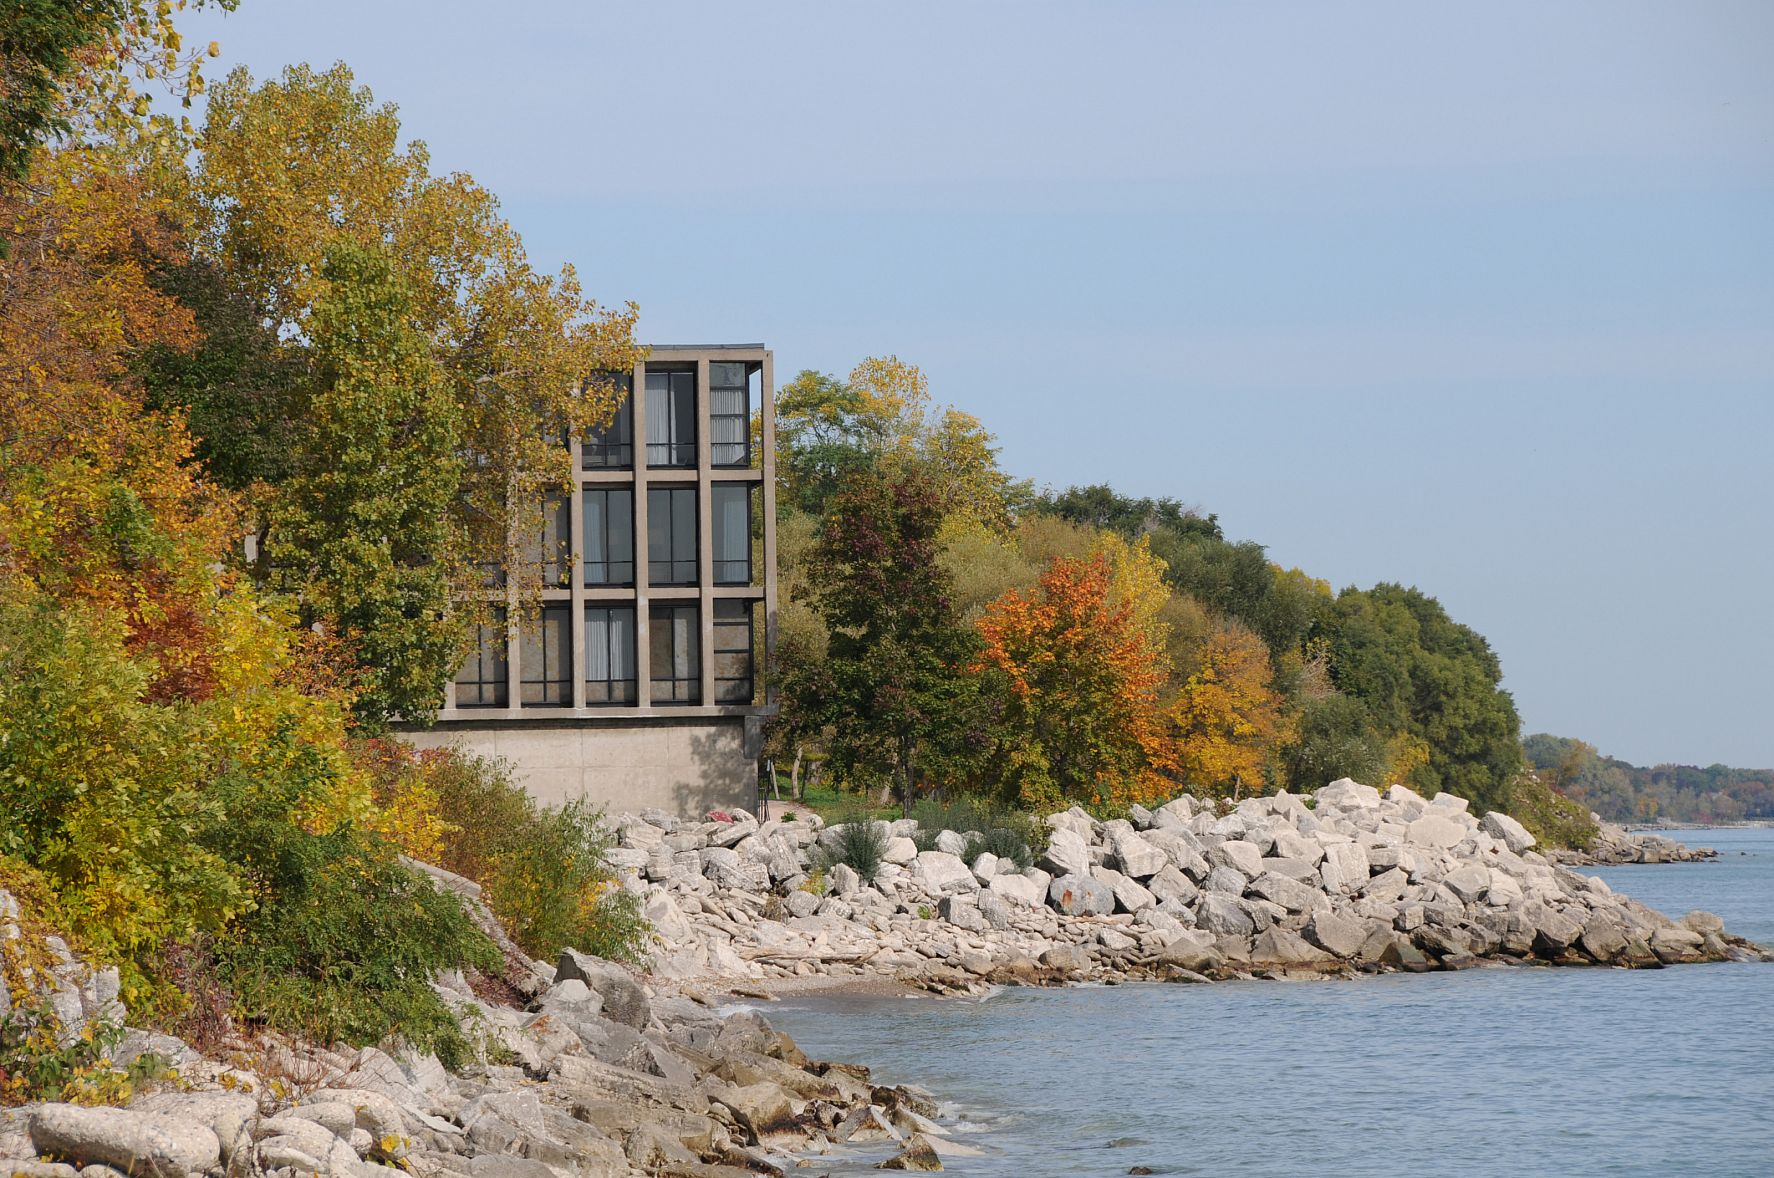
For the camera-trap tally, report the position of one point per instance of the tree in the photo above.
(1415, 670)
(828, 430)
(364, 524)
(1228, 720)
(63, 64)
(1075, 668)
(469, 368)
(893, 686)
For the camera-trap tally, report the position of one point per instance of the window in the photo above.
(609, 536)
(671, 535)
(609, 654)
(553, 551)
(483, 682)
(546, 659)
(729, 414)
(730, 518)
(674, 654)
(671, 419)
(612, 448)
(733, 651)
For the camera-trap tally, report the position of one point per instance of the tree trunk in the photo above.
(794, 778)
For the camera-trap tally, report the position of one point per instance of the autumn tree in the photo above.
(1228, 720)
(471, 365)
(829, 429)
(1076, 667)
(894, 684)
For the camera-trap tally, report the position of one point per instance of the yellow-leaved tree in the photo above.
(1228, 719)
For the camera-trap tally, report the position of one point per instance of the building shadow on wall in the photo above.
(722, 777)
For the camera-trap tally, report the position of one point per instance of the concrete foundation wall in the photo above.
(685, 767)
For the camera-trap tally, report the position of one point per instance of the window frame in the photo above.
(667, 520)
(678, 450)
(492, 640)
(610, 566)
(561, 684)
(721, 453)
(680, 690)
(599, 450)
(615, 691)
(746, 609)
(717, 532)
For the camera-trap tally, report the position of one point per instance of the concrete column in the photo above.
(643, 646)
(705, 541)
(767, 435)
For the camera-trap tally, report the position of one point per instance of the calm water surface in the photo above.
(1490, 1071)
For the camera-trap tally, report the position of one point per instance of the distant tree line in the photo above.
(1623, 792)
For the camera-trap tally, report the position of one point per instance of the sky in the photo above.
(1473, 298)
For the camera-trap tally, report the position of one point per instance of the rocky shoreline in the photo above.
(584, 1067)
(1616, 846)
(1347, 881)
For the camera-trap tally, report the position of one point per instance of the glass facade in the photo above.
(545, 659)
(686, 622)
(729, 414)
(730, 512)
(484, 680)
(674, 654)
(612, 447)
(609, 655)
(671, 535)
(733, 651)
(608, 542)
(671, 418)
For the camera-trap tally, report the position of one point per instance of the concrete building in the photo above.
(639, 682)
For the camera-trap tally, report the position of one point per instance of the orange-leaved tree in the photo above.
(1076, 665)
(1228, 718)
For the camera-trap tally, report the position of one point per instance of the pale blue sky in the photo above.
(1476, 298)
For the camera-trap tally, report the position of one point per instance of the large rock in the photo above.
(1081, 895)
(1240, 856)
(1223, 914)
(1554, 932)
(1434, 830)
(762, 1109)
(1018, 889)
(962, 912)
(1348, 794)
(624, 1000)
(1139, 858)
(1227, 881)
(152, 1145)
(1275, 945)
(1067, 853)
(943, 873)
(1337, 934)
(900, 851)
(1192, 950)
(1345, 868)
(1171, 884)
(1128, 893)
(1278, 889)
(1513, 834)
(1469, 881)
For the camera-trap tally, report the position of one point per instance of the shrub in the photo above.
(861, 845)
(1008, 834)
(541, 869)
(1552, 818)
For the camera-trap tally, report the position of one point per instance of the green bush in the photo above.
(541, 869)
(1008, 834)
(861, 846)
(1552, 818)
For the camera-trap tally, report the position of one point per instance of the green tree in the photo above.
(1418, 671)
(365, 527)
(893, 686)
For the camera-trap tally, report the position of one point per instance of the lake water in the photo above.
(1514, 1071)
